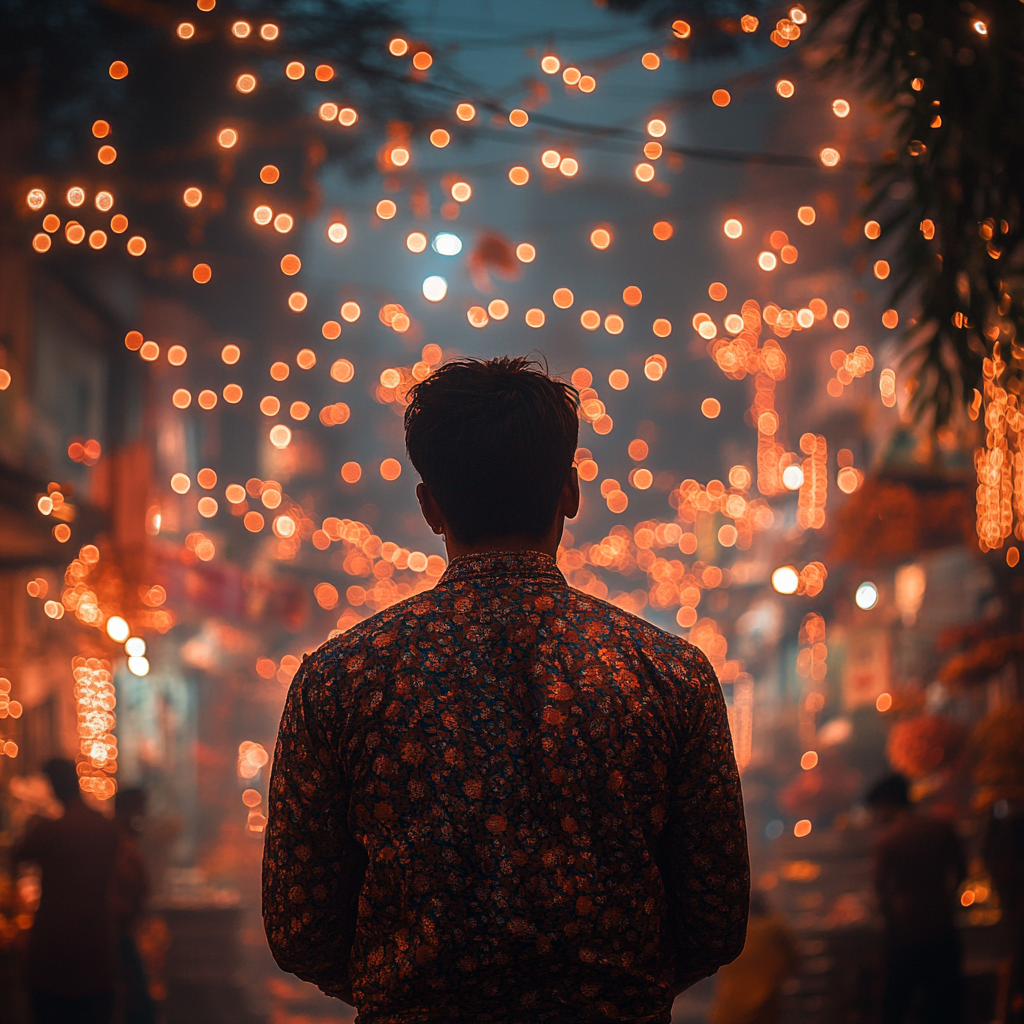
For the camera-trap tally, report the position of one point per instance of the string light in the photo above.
(736, 348)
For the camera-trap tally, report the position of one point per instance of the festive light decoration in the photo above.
(95, 697)
(713, 520)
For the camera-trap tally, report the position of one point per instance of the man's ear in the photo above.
(431, 510)
(570, 504)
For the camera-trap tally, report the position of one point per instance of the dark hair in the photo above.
(892, 791)
(130, 802)
(63, 778)
(494, 442)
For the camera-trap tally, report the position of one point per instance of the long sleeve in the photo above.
(312, 867)
(703, 850)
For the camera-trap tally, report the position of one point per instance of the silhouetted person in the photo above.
(749, 989)
(70, 964)
(919, 865)
(131, 890)
(1003, 850)
(503, 799)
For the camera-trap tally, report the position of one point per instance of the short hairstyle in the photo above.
(63, 778)
(494, 441)
(892, 791)
(130, 802)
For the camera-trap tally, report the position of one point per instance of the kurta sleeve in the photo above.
(702, 855)
(313, 869)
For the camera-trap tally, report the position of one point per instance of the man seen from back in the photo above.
(502, 799)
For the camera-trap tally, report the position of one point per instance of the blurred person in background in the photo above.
(1003, 852)
(748, 991)
(919, 865)
(503, 799)
(70, 964)
(131, 890)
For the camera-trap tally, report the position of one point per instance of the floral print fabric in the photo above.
(503, 800)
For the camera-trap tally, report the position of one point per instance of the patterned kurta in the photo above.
(504, 800)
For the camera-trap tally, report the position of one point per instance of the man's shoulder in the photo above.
(616, 627)
(376, 638)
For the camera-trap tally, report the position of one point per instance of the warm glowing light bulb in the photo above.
(785, 580)
(866, 596)
(792, 478)
(117, 629)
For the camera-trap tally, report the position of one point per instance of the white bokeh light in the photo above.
(786, 579)
(447, 244)
(135, 647)
(866, 596)
(435, 288)
(117, 629)
(792, 478)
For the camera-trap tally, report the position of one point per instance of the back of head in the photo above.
(63, 779)
(494, 441)
(889, 793)
(130, 803)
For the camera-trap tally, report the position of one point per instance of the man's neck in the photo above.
(546, 546)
